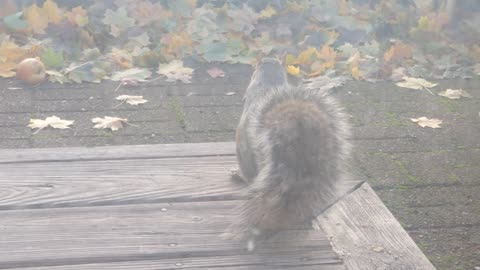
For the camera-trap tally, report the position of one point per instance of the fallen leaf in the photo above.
(15, 22)
(268, 12)
(51, 121)
(77, 16)
(55, 76)
(243, 20)
(113, 123)
(425, 122)
(454, 93)
(416, 83)
(175, 71)
(293, 70)
(7, 69)
(54, 14)
(216, 72)
(354, 68)
(122, 58)
(118, 21)
(52, 59)
(37, 19)
(132, 74)
(132, 100)
(398, 52)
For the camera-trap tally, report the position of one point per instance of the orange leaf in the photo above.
(36, 18)
(52, 11)
(398, 52)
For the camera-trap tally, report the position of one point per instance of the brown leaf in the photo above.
(398, 52)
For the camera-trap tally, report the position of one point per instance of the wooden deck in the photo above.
(166, 207)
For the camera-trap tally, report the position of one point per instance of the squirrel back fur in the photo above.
(291, 148)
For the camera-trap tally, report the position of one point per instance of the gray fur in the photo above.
(291, 148)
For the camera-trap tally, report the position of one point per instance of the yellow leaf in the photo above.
(11, 52)
(290, 59)
(307, 57)
(54, 14)
(36, 18)
(176, 45)
(268, 12)
(353, 63)
(293, 70)
(423, 23)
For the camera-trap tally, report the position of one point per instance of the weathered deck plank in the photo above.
(106, 234)
(368, 235)
(158, 207)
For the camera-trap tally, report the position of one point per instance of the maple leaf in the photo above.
(426, 122)
(121, 58)
(133, 74)
(293, 70)
(175, 71)
(145, 12)
(454, 93)
(55, 76)
(216, 72)
(52, 11)
(268, 12)
(243, 20)
(118, 21)
(398, 52)
(6, 69)
(15, 22)
(416, 83)
(36, 18)
(77, 16)
(132, 100)
(51, 121)
(52, 59)
(113, 123)
(176, 45)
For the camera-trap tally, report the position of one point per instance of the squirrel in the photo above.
(291, 146)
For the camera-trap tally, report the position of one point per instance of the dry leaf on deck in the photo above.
(425, 122)
(51, 121)
(415, 83)
(132, 100)
(454, 93)
(113, 123)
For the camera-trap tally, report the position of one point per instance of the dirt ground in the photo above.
(428, 178)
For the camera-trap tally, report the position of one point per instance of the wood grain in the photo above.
(116, 182)
(368, 236)
(188, 233)
(117, 152)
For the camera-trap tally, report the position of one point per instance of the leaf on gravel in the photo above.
(175, 71)
(113, 123)
(51, 121)
(415, 83)
(454, 93)
(132, 100)
(133, 74)
(216, 72)
(425, 122)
